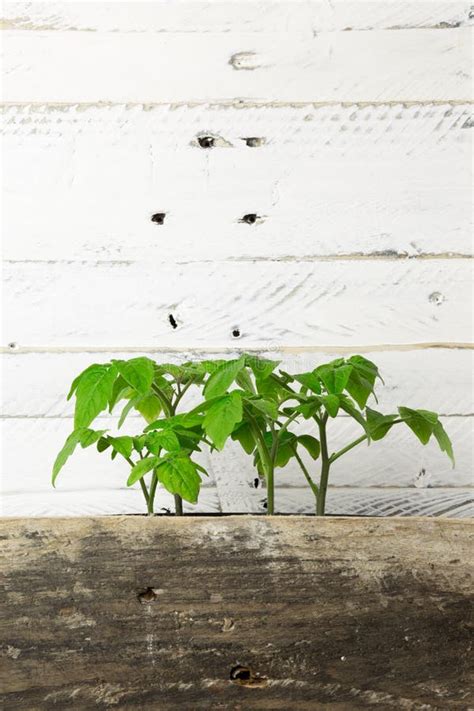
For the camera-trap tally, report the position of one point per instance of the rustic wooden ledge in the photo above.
(235, 613)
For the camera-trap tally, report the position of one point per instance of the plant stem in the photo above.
(342, 451)
(361, 439)
(171, 412)
(151, 497)
(181, 393)
(142, 483)
(178, 505)
(314, 487)
(266, 460)
(325, 465)
(165, 403)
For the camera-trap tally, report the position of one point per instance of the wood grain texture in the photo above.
(333, 180)
(407, 65)
(440, 379)
(342, 612)
(271, 303)
(304, 17)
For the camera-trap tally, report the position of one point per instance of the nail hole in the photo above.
(240, 673)
(236, 333)
(13, 346)
(250, 219)
(158, 217)
(172, 320)
(436, 298)
(147, 597)
(254, 142)
(256, 482)
(206, 141)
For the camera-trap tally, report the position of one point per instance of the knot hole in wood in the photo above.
(147, 597)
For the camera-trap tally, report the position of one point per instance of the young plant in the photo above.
(243, 400)
(150, 389)
(346, 385)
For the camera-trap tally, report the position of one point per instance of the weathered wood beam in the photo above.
(236, 613)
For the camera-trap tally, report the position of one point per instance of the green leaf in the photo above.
(261, 367)
(200, 468)
(122, 445)
(185, 419)
(162, 439)
(267, 407)
(325, 373)
(362, 379)
(421, 422)
(179, 475)
(341, 377)
(210, 366)
(286, 448)
(221, 418)
(128, 407)
(348, 406)
(78, 378)
(309, 408)
(83, 436)
(243, 434)
(270, 389)
(443, 440)
(176, 371)
(93, 392)
(137, 372)
(89, 437)
(331, 403)
(244, 381)
(68, 448)
(148, 406)
(377, 424)
(139, 443)
(310, 381)
(311, 444)
(220, 380)
(103, 444)
(141, 468)
(121, 390)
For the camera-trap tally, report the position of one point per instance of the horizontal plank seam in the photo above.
(374, 348)
(386, 255)
(20, 25)
(232, 103)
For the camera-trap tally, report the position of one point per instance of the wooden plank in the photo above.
(35, 384)
(267, 303)
(238, 495)
(369, 635)
(399, 461)
(231, 16)
(87, 470)
(99, 174)
(407, 65)
(102, 502)
(342, 501)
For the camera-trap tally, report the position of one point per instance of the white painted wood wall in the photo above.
(361, 181)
